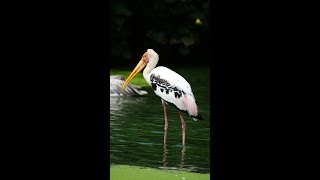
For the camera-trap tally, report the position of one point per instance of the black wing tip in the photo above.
(198, 117)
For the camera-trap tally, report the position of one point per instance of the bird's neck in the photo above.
(147, 72)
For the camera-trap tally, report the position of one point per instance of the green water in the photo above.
(136, 129)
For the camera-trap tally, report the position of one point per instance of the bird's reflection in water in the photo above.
(183, 155)
(116, 105)
(119, 106)
(165, 157)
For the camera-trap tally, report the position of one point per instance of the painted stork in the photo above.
(116, 81)
(172, 88)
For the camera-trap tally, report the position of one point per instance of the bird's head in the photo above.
(152, 56)
(149, 58)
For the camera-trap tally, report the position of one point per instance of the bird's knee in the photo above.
(165, 128)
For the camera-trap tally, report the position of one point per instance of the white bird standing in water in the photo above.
(116, 81)
(172, 88)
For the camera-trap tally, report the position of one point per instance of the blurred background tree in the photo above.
(177, 29)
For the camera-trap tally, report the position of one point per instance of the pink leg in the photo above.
(183, 125)
(165, 122)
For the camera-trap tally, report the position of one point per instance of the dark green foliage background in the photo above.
(167, 26)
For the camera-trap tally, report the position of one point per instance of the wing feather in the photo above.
(173, 78)
(173, 88)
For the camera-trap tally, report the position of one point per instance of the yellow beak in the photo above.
(136, 70)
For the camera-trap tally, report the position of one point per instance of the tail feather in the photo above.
(192, 108)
